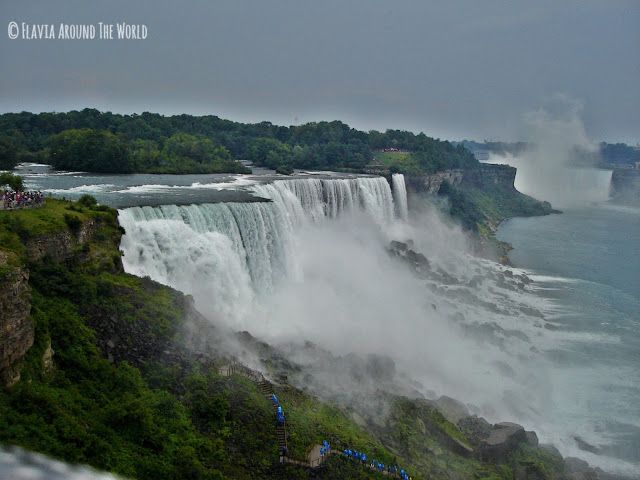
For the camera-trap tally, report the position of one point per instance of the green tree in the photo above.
(8, 153)
(89, 150)
(14, 182)
(269, 152)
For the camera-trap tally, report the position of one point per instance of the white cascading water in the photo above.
(400, 195)
(311, 264)
(235, 251)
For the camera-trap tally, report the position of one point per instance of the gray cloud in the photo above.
(453, 69)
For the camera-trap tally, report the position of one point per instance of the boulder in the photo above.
(587, 447)
(532, 438)
(578, 469)
(503, 439)
(451, 409)
(475, 428)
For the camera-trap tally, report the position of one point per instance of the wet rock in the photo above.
(587, 447)
(451, 409)
(532, 438)
(398, 247)
(532, 312)
(578, 469)
(475, 428)
(380, 367)
(503, 439)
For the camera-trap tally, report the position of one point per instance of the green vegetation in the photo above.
(309, 422)
(14, 182)
(102, 151)
(397, 162)
(106, 142)
(482, 209)
(429, 158)
(8, 153)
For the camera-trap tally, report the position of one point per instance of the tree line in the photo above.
(90, 140)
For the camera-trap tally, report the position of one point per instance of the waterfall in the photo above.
(235, 251)
(400, 195)
(315, 199)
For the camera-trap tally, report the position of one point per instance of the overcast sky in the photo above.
(453, 69)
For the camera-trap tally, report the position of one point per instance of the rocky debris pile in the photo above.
(495, 442)
(418, 261)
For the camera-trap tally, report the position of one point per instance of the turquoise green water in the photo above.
(587, 262)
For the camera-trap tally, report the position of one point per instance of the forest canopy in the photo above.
(90, 140)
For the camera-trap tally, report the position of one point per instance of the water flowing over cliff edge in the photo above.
(312, 264)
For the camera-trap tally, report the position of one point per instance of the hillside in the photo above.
(123, 374)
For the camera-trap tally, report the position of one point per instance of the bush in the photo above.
(284, 170)
(88, 201)
(73, 222)
(14, 182)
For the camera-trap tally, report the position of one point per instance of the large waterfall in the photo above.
(312, 264)
(232, 252)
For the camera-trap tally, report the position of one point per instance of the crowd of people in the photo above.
(11, 199)
(362, 458)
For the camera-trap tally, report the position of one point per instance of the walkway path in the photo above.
(266, 388)
(315, 459)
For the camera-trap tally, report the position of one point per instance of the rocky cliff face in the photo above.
(16, 327)
(483, 177)
(490, 176)
(431, 183)
(60, 245)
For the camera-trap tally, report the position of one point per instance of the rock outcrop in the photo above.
(431, 183)
(16, 326)
(451, 409)
(495, 442)
(489, 176)
(59, 246)
(503, 438)
(486, 175)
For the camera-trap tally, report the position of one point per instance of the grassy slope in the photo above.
(398, 161)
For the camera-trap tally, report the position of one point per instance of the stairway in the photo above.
(266, 388)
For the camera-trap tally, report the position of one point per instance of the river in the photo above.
(586, 262)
